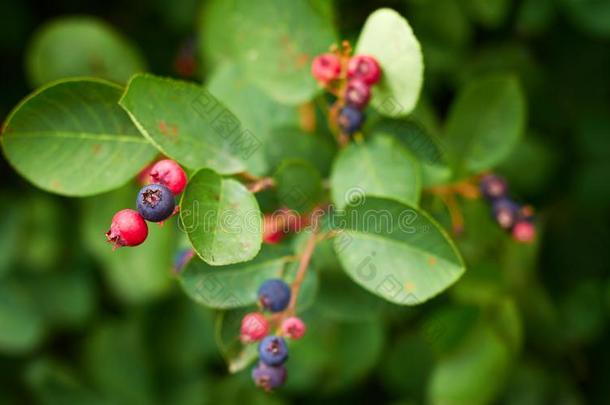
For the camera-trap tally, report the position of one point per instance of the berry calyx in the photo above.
(325, 68)
(155, 202)
(364, 67)
(128, 228)
(274, 295)
(254, 327)
(493, 187)
(293, 327)
(170, 174)
(273, 350)
(350, 119)
(357, 93)
(268, 377)
(505, 212)
(524, 232)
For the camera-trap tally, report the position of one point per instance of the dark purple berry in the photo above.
(268, 377)
(155, 202)
(274, 295)
(357, 93)
(493, 187)
(505, 212)
(350, 119)
(273, 350)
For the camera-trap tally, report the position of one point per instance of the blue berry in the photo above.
(155, 202)
(505, 212)
(493, 187)
(273, 350)
(350, 119)
(268, 377)
(274, 295)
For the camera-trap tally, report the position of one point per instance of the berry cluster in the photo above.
(155, 202)
(350, 79)
(274, 296)
(519, 220)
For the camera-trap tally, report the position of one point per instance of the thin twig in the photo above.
(302, 270)
(261, 184)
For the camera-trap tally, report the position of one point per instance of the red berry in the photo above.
(170, 174)
(357, 93)
(272, 229)
(254, 327)
(326, 67)
(128, 228)
(524, 232)
(365, 68)
(293, 328)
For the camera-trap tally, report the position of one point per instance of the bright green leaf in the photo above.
(396, 251)
(277, 58)
(81, 46)
(257, 112)
(388, 37)
(380, 167)
(71, 138)
(221, 218)
(189, 124)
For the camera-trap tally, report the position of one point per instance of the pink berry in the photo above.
(170, 174)
(128, 228)
(326, 67)
(357, 93)
(143, 177)
(293, 328)
(365, 68)
(524, 232)
(254, 327)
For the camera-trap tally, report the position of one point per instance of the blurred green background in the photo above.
(526, 325)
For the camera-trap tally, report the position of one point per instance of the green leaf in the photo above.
(298, 185)
(235, 285)
(65, 298)
(388, 37)
(80, 46)
(396, 251)
(135, 275)
(591, 16)
(485, 123)
(380, 167)
(71, 138)
(22, 326)
(187, 123)
(276, 58)
(221, 218)
(463, 376)
(257, 112)
(116, 362)
(489, 13)
(293, 143)
(55, 384)
(421, 144)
